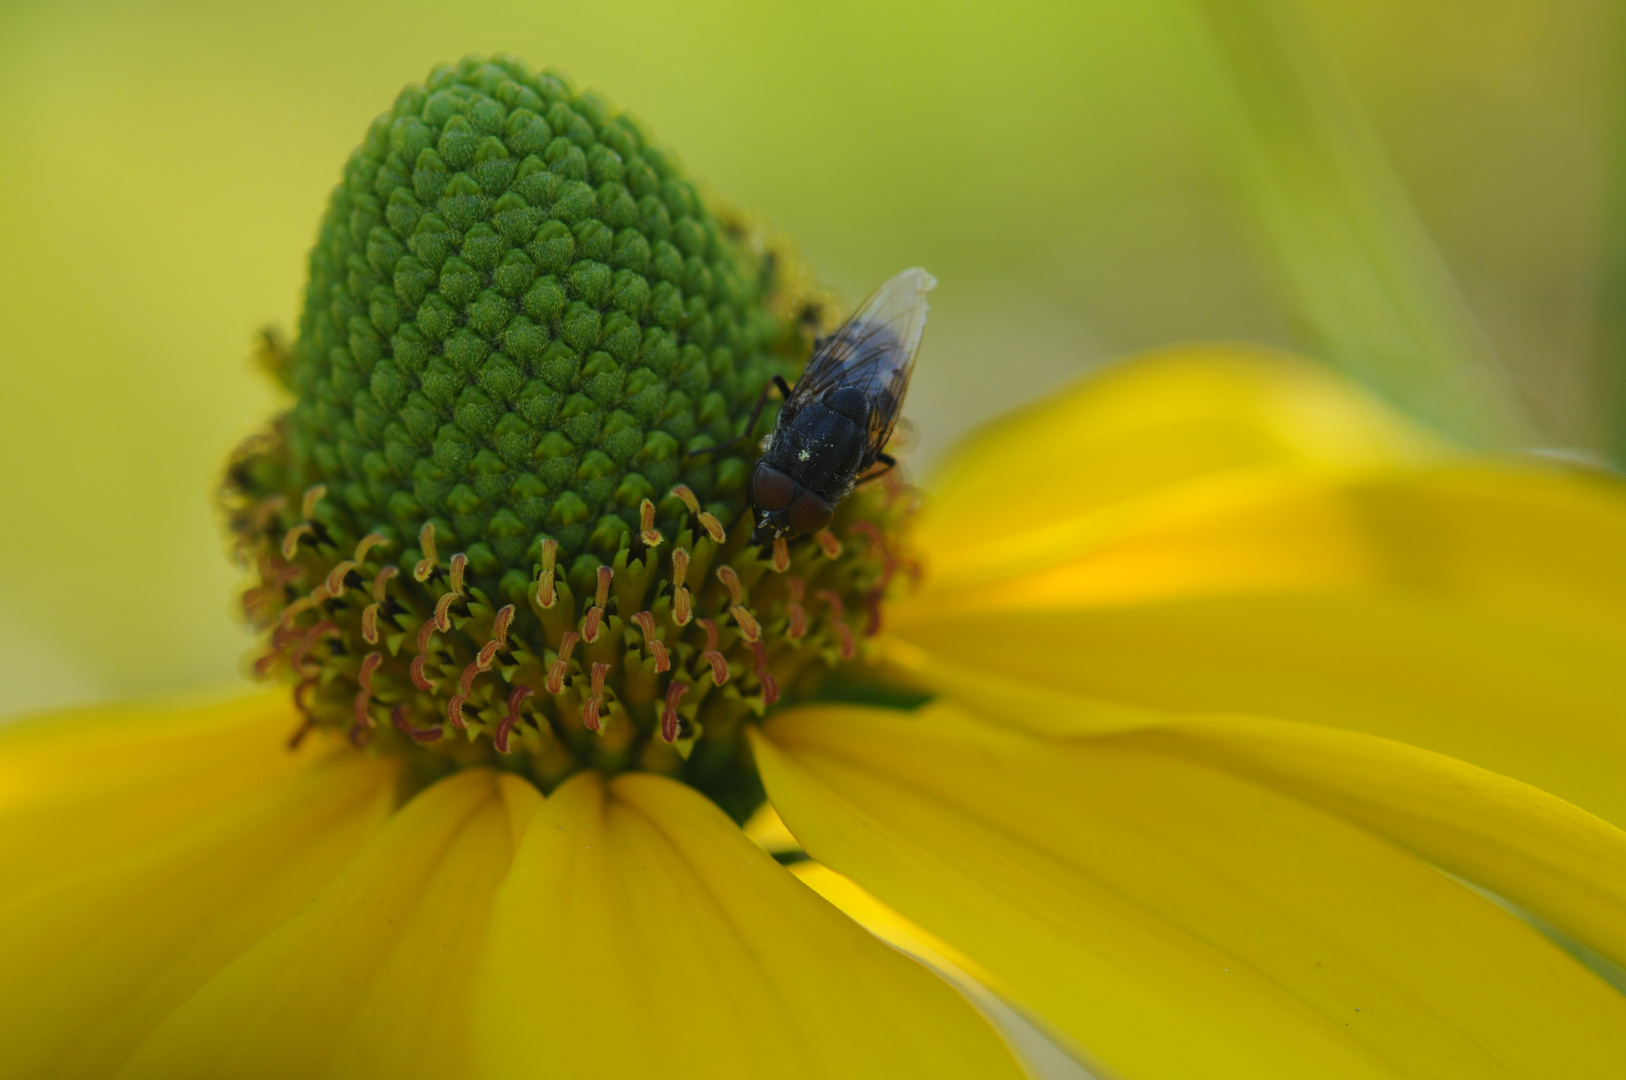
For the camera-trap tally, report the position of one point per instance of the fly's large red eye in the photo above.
(809, 513)
(770, 488)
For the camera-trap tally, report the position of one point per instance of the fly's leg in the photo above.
(756, 414)
(886, 462)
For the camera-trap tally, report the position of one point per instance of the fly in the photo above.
(835, 422)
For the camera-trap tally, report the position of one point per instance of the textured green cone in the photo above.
(482, 527)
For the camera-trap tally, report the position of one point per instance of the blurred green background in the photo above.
(1413, 190)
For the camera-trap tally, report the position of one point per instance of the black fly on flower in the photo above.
(835, 422)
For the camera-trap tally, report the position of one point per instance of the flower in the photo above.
(1230, 665)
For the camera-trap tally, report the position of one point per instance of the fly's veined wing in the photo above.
(874, 351)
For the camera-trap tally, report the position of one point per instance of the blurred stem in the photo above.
(1371, 292)
(1611, 326)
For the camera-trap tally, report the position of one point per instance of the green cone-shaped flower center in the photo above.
(484, 527)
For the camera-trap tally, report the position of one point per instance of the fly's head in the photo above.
(782, 508)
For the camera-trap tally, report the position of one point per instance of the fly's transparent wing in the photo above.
(873, 351)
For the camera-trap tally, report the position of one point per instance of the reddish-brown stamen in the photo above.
(398, 716)
(369, 624)
(828, 544)
(595, 700)
(601, 600)
(366, 544)
(770, 688)
(460, 563)
(305, 727)
(364, 679)
(781, 554)
(797, 614)
(657, 649)
(669, 716)
(296, 659)
(266, 510)
(500, 738)
(719, 664)
(843, 631)
(556, 673)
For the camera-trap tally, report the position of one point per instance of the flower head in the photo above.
(505, 513)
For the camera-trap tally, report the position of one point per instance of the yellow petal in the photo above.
(641, 934)
(1018, 490)
(96, 958)
(1521, 843)
(1177, 921)
(373, 977)
(80, 786)
(1475, 611)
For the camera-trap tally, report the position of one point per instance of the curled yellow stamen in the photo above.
(499, 626)
(426, 541)
(647, 532)
(443, 610)
(336, 577)
(313, 495)
(382, 580)
(291, 538)
(366, 544)
(546, 595)
(682, 491)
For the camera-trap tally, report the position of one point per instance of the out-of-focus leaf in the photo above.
(1362, 272)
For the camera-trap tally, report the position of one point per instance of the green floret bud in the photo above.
(505, 260)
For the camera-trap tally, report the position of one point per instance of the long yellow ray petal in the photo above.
(641, 934)
(1016, 493)
(1475, 611)
(1177, 921)
(80, 786)
(95, 959)
(1521, 843)
(373, 977)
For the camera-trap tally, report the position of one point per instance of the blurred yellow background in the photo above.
(1084, 179)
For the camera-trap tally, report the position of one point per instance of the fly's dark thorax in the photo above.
(823, 444)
